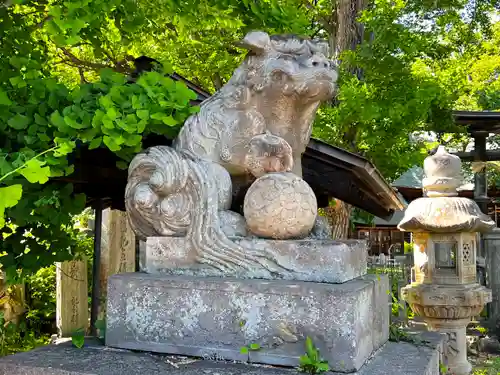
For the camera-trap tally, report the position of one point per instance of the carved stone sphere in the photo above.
(280, 206)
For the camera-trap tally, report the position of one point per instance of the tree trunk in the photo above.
(348, 33)
(345, 34)
(339, 215)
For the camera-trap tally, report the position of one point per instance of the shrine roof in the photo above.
(478, 121)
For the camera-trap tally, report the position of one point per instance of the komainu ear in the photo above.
(256, 41)
(322, 46)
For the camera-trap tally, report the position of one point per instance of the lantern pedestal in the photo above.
(455, 344)
(448, 309)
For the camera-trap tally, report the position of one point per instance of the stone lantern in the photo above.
(445, 292)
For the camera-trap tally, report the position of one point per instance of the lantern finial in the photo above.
(442, 174)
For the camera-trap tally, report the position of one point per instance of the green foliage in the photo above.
(33, 170)
(41, 287)
(250, 348)
(361, 217)
(311, 362)
(491, 367)
(16, 338)
(395, 275)
(397, 334)
(479, 329)
(9, 197)
(199, 39)
(408, 248)
(78, 338)
(38, 108)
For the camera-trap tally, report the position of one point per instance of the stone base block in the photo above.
(215, 318)
(323, 261)
(94, 359)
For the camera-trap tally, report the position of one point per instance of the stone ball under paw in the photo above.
(280, 206)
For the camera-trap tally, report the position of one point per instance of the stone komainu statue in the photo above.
(259, 122)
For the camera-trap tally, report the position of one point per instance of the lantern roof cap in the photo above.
(441, 210)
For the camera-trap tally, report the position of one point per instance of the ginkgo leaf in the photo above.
(9, 197)
(4, 99)
(19, 122)
(36, 171)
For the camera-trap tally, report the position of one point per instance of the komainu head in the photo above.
(289, 64)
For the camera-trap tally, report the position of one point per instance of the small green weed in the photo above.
(398, 334)
(480, 329)
(311, 362)
(443, 369)
(16, 338)
(249, 348)
(78, 338)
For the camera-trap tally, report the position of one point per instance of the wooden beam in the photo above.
(490, 155)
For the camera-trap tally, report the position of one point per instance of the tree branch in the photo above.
(217, 81)
(82, 76)
(324, 21)
(108, 55)
(7, 3)
(75, 61)
(120, 66)
(42, 22)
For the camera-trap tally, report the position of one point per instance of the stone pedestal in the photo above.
(305, 260)
(216, 317)
(455, 343)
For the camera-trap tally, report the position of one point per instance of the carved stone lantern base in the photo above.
(448, 309)
(446, 301)
(455, 345)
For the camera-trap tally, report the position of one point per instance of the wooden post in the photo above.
(480, 177)
(117, 250)
(72, 306)
(96, 268)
